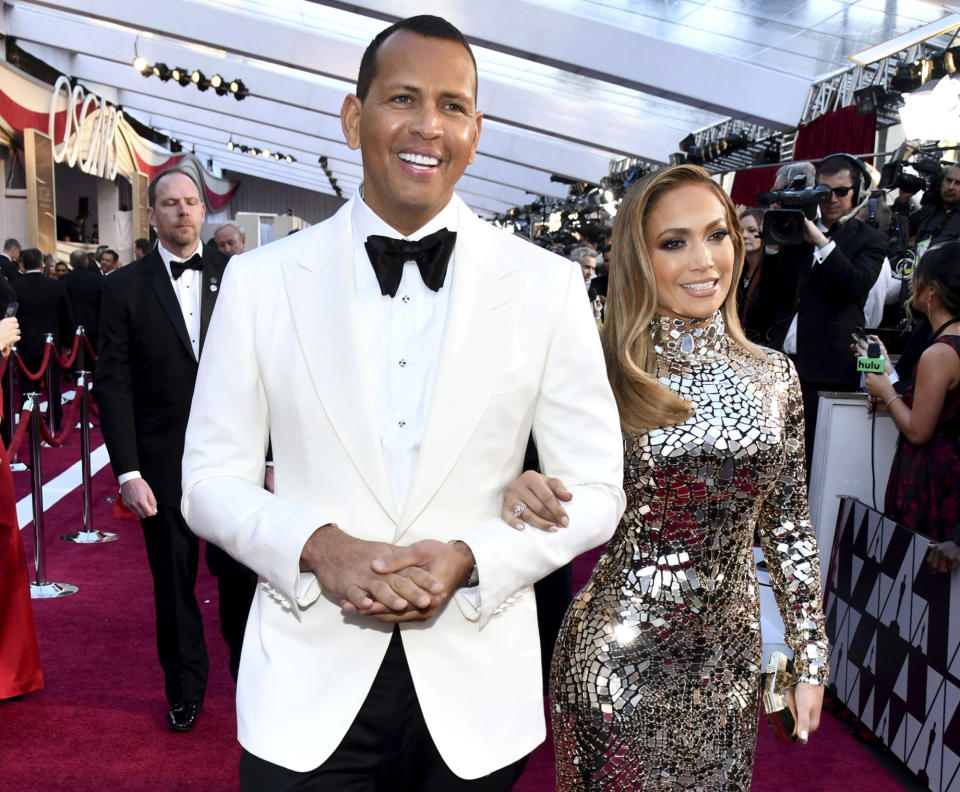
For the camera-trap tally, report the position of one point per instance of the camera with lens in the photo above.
(894, 176)
(785, 226)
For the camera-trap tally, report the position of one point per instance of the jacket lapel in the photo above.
(160, 281)
(210, 285)
(321, 290)
(481, 318)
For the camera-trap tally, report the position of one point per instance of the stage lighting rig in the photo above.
(195, 77)
(329, 174)
(266, 153)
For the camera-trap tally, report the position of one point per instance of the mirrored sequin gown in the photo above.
(655, 675)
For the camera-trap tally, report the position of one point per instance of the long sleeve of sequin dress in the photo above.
(655, 675)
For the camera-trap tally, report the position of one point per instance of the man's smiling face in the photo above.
(417, 128)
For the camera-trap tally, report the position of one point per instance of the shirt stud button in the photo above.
(401, 424)
(403, 363)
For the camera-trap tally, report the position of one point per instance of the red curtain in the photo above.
(839, 131)
(747, 183)
(842, 130)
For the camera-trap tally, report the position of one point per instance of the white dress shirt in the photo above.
(187, 288)
(402, 338)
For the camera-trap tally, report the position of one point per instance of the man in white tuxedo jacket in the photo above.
(392, 644)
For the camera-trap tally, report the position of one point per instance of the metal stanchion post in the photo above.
(40, 588)
(87, 535)
(81, 352)
(50, 375)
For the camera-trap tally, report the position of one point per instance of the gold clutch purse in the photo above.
(779, 705)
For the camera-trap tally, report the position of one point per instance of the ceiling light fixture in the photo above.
(266, 153)
(186, 77)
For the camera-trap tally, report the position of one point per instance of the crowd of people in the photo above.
(350, 434)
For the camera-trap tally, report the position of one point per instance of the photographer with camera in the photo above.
(821, 274)
(938, 219)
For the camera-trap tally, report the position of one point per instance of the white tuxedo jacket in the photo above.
(283, 358)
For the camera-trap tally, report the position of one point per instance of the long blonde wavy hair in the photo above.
(632, 302)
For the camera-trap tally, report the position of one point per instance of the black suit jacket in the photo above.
(7, 295)
(85, 290)
(828, 299)
(8, 268)
(44, 308)
(146, 369)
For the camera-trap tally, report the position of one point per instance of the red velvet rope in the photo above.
(3, 366)
(68, 422)
(43, 364)
(17, 438)
(91, 353)
(68, 361)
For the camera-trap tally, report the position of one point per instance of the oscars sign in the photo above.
(90, 138)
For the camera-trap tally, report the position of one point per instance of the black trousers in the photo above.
(386, 749)
(173, 551)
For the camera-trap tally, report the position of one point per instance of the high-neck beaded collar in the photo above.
(687, 340)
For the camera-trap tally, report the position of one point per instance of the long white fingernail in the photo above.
(519, 526)
(803, 735)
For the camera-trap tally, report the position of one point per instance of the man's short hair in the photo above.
(32, 259)
(11, 243)
(78, 259)
(581, 252)
(152, 187)
(787, 173)
(837, 163)
(239, 230)
(116, 256)
(424, 25)
(142, 243)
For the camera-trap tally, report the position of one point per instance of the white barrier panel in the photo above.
(842, 461)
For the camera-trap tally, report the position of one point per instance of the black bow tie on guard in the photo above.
(432, 254)
(177, 268)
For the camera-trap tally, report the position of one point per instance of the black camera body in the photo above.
(893, 176)
(785, 226)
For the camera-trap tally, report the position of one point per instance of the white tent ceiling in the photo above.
(566, 86)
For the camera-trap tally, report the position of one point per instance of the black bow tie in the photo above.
(432, 253)
(177, 267)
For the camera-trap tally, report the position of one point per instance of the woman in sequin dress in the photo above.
(656, 672)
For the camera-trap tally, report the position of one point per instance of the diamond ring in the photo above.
(519, 509)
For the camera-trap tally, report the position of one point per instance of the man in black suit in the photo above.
(8, 259)
(85, 290)
(44, 308)
(7, 296)
(154, 317)
(820, 287)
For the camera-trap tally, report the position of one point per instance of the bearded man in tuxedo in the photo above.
(398, 355)
(153, 322)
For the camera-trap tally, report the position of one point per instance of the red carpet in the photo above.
(99, 724)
